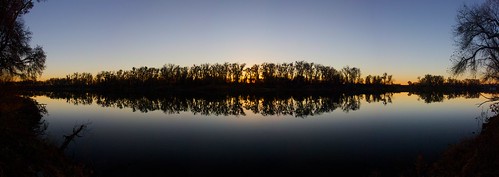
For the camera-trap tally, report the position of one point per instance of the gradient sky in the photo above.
(406, 38)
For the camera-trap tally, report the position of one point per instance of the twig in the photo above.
(76, 133)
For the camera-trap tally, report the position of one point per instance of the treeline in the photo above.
(435, 81)
(295, 74)
(239, 78)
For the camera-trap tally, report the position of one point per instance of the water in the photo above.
(260, 136)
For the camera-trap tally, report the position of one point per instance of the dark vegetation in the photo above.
(298, 77)
(477, 34)
(299, 74)
(478, 156)
(23, 152)
(477, 39)
(17, 58)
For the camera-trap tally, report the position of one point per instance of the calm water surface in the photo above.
(256, 136)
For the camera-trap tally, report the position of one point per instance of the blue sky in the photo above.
(405, 38)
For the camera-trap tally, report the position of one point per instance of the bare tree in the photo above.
(351, 75)
(17, 57)
(477, 39)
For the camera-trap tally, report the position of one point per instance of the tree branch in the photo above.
(76, 133)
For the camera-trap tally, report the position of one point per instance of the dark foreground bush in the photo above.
(477, 157)
(22, 151)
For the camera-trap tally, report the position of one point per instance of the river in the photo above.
(360, 135)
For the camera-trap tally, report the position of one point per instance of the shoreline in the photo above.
(23, 151)
(257, 89)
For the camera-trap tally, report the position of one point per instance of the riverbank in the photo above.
(23, 152)
(246, 88)
(478, 156)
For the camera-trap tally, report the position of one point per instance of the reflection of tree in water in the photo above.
(466, 95)
(173, 105)
(430, 97)
(306, 106)
(73, 98)
(224, 106)
(350, 103)
(385, 98)
(298, 106)
(142, 104)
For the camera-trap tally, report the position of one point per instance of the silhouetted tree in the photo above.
(235, 72)
(80, 79)
(431, 80)
(389, 80)
(452, 81)
(368, 79)
(330, 75)
(384, 77)
(254, 74)
(477, 33)
(299, 69)
(285, 75)
(269, 72)
(168, 73)
(17, 57)
(351, 75)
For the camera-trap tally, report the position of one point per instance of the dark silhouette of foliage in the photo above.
(477, 33)
(23, 153)
(439, 83)
(475, 156)
(431, 80)
(236, 77)
(284, 75)
(17, 58)
(384, 79)
(351, 75)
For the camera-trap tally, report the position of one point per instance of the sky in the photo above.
(404, 38)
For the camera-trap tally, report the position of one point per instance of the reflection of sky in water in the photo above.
(372, 137)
